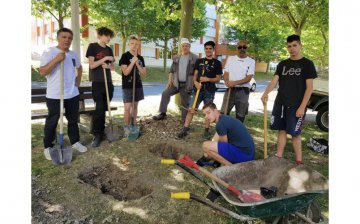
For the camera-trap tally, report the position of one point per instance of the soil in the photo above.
(122, 181)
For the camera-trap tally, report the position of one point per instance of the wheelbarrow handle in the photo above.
(244, 196)
(190, 171)
(188, 195)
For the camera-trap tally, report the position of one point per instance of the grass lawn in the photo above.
(80, 200)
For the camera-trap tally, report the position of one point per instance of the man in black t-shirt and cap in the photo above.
(207, 72)
(295, 76)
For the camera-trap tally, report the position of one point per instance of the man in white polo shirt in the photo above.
(50, 67)
(239, 70)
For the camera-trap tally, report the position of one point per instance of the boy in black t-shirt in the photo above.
(295, 76)
(100, 56)
(129, 62)
(207, 72)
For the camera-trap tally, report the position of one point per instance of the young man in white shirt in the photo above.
(239, 70)
(50, 67)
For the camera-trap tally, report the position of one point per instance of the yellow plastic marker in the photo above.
(168, 161)
(180, 195)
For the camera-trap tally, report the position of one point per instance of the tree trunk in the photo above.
(123, 40)
(187, 9)
(165, 53)
(61, 22)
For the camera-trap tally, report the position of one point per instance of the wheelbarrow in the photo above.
(297, 186)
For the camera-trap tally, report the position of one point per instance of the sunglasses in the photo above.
(242, 47)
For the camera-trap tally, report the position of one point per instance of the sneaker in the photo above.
(47, 153)
(159, 117)
(126, 129)
(183, 133)
(78, 146)
(216, 164)
(96, 141)
(207, 135)
(203, 161)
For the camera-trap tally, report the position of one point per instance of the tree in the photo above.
(124, 17)
(59, 9)
(167, 23)
(308, 17)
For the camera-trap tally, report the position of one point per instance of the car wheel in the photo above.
(253, 87)
(322, 118)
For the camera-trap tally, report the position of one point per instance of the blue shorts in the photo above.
(284, 118)
(204, 95)
(128, 93)
(234, 154)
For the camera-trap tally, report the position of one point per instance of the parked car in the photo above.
(221, 85)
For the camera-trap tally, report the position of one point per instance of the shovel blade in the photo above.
(133, 132)
(114, 133)
(61, 155)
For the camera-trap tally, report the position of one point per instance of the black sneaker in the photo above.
(216, 164)
(183, 133)
(159, 117)
(96, 141)
(203, 161)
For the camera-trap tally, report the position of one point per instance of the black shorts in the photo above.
(284, 118)
(128, 95)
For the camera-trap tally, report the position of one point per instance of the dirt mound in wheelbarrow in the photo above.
(112, 181)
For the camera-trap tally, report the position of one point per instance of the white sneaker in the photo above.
(78, 146)
(47, 153)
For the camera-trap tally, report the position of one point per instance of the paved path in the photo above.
(153, 92)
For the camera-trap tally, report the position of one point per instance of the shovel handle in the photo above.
(180, 195)
(107, 95)
(168, 161)
(133, 96)
(227, 102)
(190, 163)
(265, 130)
(196, 98)
(61, 98)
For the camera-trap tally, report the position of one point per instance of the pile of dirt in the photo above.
(160, 130)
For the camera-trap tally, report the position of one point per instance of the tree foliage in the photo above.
(59, 9)
(268, 20)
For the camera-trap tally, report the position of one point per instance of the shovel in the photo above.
(61, 154)
(133, 129)
(188, 195)
(112, 131)
(265, 130)
(227, 102)
(243, 195)
(198, 90)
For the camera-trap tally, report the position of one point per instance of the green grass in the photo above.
(35, 76)
(154, 74)
(263, 76)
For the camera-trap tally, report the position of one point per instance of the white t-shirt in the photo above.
(238, 68)
(71, 62)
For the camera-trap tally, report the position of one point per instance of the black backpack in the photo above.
(319, 145)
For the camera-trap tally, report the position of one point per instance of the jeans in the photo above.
(71, 113)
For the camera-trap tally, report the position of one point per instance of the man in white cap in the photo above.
(180, 80)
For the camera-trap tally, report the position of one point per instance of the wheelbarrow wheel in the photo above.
(312, 212)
